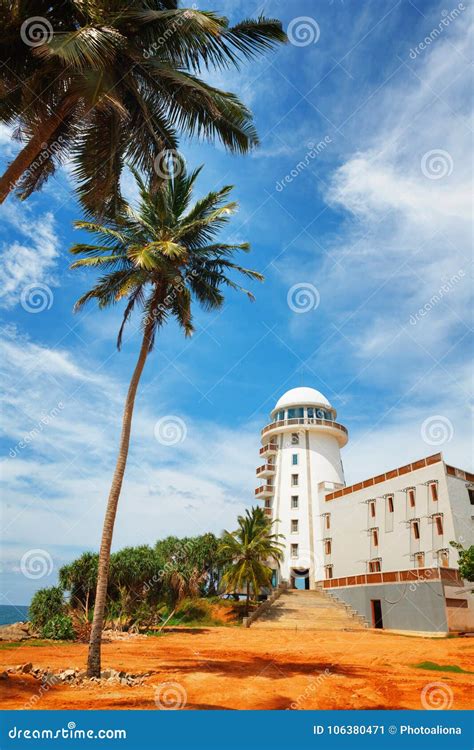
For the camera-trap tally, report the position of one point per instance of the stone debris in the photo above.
(77, 677)
(17, 631)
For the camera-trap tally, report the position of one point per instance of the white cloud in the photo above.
(60, 475)
(31, 261)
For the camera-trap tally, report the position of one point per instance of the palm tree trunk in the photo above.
(247, 606)
(25, 159)
(93, 662)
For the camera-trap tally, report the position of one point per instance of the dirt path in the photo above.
(233, 668)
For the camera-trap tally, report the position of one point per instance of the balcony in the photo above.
(308, 423)
(269, 449)
(267, 470)
(266, 490)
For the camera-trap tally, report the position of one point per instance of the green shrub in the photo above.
(58, 628)
(46, 604)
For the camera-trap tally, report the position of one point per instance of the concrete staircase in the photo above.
(309, 610)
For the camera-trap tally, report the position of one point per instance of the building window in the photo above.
(375, 537)
(310, 412)
(390, 503)
(294, 525)
(420, 560)
(470, 492)
(372, 508)
(294, 501)
(281, 416)
(294, 550)
(294, 480)
(295, 438)
(443, 558)
(411, 498)
(434, 492)
(328, 571)
(416, 529)
(294, 459)
(328, 520)
(268, 502)
(439, 525)
(374, 566)
(327, 547)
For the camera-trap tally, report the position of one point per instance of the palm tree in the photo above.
(109, 81)
(158, 258)
(247, 552)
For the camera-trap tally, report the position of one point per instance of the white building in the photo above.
(382, 541)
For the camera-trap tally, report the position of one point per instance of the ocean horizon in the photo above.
(10, 613)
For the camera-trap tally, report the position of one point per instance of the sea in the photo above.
(11, 613)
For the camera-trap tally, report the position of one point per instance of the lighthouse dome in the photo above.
(302, 396)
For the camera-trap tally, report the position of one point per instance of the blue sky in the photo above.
(373, 225)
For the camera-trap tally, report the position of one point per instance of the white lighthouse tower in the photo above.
(301, 449)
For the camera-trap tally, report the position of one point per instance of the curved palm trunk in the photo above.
(247, 604)
(25, 159)
(93, 662)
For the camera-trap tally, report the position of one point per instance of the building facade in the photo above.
(382, 545)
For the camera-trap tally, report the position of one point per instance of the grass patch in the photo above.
(432, 666)
(36, 642)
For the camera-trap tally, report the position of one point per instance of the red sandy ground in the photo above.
(234, 668)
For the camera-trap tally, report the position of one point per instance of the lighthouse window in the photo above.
(294, 550)
(310, 412)
(327, 547)
(294, 501)
(294, 459)
(294, 480)
(291, 413)
(294, 525)
(281, 415)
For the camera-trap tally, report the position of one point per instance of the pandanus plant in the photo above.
(158, 260)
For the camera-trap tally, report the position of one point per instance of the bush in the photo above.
(46, 604)
(59, 628)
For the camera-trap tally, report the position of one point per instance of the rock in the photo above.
(17, 631)
(27, 668)
(68, 674)
(4, 676)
